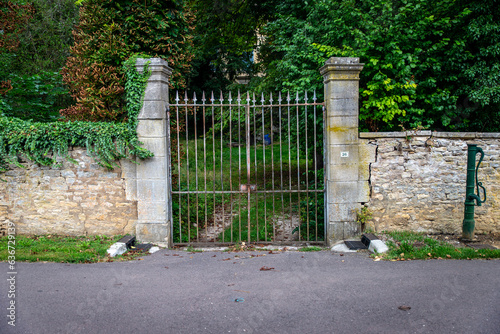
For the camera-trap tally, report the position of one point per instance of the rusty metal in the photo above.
(264, 175)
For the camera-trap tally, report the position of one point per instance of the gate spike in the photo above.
(248, 97)
(262, 100)
(203, 99)
(279, 98)
(253, 98)
(221, 99)
(212, 98)
(297, 97)
(239, 97)
(185, 97)
(176, 97)
(194, 98)
(305, 96)
(288, 97)
(270, 98)
(230, 98)
(314, 96)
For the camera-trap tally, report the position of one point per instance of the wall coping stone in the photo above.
(436, 134)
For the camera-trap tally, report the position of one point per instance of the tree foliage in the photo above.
(47, 143)
(42, 40)
(427, 64)
(108, 33)
(226, 36)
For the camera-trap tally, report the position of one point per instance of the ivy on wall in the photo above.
(43, 143)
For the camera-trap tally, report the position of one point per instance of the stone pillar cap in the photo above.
(157, 63)
(342, 60)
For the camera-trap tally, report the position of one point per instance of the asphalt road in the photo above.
(320, 292)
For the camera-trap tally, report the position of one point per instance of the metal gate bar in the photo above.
(190, 229)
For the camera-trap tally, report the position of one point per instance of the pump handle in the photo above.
(480, 184)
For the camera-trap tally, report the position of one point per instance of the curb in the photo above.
(121, 246)
(374, 244)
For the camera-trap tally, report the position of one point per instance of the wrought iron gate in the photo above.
(247, 171)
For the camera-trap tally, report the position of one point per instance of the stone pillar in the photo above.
(344, 188)
(154, 205)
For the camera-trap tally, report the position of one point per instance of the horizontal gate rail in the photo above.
(247, 171)
(244, 192)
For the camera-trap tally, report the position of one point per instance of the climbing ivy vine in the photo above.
(44, 143)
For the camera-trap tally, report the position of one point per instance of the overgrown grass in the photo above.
(55, 248)
(225, 166)
(273, 167)
(411, 246)
(311, 249)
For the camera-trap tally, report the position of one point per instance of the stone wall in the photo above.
(417, 181)
(81, 199)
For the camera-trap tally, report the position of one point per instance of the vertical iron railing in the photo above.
(260, 186)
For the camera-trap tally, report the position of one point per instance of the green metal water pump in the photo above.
(472, 198)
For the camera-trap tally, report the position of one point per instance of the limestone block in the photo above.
(153, 110)
(157, 145)
(151, 190)
(156, 91)
(342, 212)
(343, 172)
(338, 135)
(334, 232)
(152, 168)
(152, 128)
(343, 155)
(342, 192)
(342, 107)
(351, 229)
(118, 248)
(153, 232)
(152, 211)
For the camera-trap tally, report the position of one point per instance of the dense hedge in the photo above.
(43, 143)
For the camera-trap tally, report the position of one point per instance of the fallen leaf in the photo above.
(429, 254)
(377, 259)
(341, 254)
(266, 268)
(448, 256)
(342, 260)
(226, 259)
(214, 256)
(175, 255)
(404, 308)
(166, 267)
(402, 254)
(242, 291)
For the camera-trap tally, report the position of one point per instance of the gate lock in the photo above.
(470, 195)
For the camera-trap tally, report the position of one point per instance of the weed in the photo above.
(193, 250)
(410, 245)
(310, 249)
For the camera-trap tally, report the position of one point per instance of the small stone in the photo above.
(117, 248)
